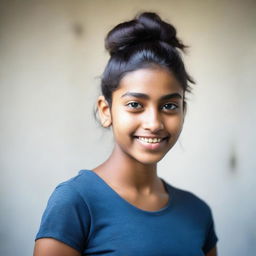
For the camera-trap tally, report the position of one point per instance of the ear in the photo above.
(184, 110)
(104, 112)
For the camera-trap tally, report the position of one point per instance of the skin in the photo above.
(135, 171)
(147, 103)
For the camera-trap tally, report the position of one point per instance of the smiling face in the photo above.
(146, 114)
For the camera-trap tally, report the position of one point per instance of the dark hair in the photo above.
(145, 41)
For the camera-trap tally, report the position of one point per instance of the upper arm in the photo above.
(212, 252)
(211, 238)
(53, 247)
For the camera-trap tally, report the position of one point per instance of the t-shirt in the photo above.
(85, 213)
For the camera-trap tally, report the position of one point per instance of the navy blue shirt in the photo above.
(85, 213)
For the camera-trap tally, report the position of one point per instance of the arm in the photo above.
(53, 247)
(212, 252)
(63, 232)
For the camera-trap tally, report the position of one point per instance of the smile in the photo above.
(152, 143)
(150, 140)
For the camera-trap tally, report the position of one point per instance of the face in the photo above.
(146, 114)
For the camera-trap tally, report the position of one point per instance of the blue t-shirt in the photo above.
(85, 213)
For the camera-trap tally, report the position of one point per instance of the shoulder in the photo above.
(70, 193)
(67, 217)
(81, 178)
(187, 200)
(74, 187)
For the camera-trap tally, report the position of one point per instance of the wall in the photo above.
(52, 55)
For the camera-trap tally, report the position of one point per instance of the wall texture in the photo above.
(51, 57)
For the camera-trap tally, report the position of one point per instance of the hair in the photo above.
(144, 42)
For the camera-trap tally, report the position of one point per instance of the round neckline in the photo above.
(160, 211)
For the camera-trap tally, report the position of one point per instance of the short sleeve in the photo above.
(211, 237)
(66, 218)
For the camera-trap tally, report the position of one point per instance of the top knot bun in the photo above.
(145, 27)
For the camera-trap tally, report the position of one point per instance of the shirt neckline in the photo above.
(158, 212)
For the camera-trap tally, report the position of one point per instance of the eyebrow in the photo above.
(145, 96)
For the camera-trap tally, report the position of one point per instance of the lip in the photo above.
(151, 136)
(152, 146)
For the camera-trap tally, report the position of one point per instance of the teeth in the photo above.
(150, 140)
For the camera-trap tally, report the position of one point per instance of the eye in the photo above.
(134, 105)
(169, 106)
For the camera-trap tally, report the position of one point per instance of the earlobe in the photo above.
(104, 112)
(184, 111)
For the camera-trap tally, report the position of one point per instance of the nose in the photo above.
(152, 121)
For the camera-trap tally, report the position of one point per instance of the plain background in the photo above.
(51, 58)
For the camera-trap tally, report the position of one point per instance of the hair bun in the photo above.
(147, 26)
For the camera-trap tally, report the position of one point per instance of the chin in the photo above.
(149, 160)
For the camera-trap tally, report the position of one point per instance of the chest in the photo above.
(120, 230)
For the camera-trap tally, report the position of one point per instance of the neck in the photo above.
(128, 173)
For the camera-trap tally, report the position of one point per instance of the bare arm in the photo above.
(212, 252)
(53, 247)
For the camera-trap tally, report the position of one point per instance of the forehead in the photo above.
(151, 81)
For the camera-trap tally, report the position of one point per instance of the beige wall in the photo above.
(49, 78)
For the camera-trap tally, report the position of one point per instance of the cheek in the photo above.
(175, 125)
(123, 121)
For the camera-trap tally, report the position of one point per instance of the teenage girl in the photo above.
(122, 207)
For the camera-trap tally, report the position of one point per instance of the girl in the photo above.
(122, 207)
